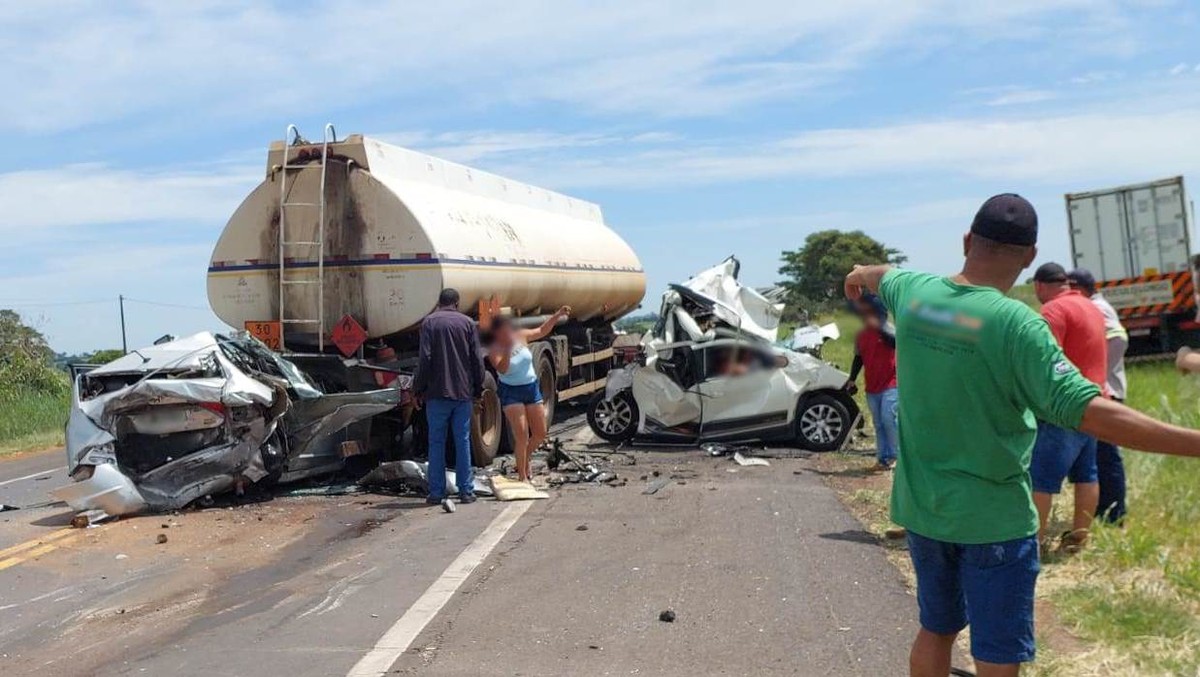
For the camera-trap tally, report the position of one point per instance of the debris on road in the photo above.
(412, 477)
(667, 616)
(162, 538)
(513, 490)
(656, 485)
(744, 460)
(4, 507)
(89, 518)
(448, 505)
(581, 527)
(177, 421)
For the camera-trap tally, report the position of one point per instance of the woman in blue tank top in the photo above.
(520, 394)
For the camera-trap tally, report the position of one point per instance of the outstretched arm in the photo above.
(865, 278)
(1126, 427)
(547, 326)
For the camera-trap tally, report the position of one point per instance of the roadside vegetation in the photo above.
(1130, 603)
(33, 393)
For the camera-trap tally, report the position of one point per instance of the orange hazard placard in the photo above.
(269, 332)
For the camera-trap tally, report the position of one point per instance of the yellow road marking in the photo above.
(36, 547)
(28, 555)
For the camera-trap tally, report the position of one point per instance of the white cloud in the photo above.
(1066, 148)
(71, 65)
(1179, 68)
(1018, 97)
(100, 194)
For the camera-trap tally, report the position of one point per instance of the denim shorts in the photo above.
(530, 393)
(988, 586)
(1061, 454)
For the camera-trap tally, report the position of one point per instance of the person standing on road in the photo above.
(520, 393)
(449, 380)
(975, 367)
(1110, 468)
(1060, 452)
(875, 350)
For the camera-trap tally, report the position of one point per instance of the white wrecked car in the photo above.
(709, 370)
(165, 425)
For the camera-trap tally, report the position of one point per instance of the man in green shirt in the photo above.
(976, 370)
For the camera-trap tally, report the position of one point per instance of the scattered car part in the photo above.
(748, 460)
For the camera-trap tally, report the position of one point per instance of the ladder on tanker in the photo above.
(286, 245)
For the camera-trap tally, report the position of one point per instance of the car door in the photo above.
(666, 392)
(743, 390)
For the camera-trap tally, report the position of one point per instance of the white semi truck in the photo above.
(1135, 240)
(357, 233)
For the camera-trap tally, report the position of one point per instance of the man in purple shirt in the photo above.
(449, 379)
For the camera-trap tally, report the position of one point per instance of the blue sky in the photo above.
(702, 128)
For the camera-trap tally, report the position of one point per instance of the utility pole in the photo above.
(124, 343)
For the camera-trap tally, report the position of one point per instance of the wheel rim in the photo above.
(821, 424)
(614, 416)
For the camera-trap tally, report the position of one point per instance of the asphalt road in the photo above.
(764, 570)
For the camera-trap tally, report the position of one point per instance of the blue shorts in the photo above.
(1062, 454)
(988, 586)
(530, 393)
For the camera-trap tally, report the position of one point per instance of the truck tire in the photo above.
(614, 420)
(547, 380)
(823, 422)
(487, 424)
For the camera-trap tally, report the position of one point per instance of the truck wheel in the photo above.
(822, 422)
(614, 420)
(486, 424)
(548, 383)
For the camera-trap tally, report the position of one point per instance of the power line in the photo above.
(165, 305)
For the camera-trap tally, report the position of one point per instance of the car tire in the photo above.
(614, 420)
(487, 425)
(822, 422)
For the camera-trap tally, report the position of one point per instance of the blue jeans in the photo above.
(884, 411)
(1111, 470)
(989, 585)
(453, 416)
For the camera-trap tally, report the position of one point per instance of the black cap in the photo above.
(1007, 218)
(1050, 272)
(1082, 278)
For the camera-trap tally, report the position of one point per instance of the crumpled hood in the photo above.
(737, 305)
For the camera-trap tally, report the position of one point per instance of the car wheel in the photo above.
(486, 425)
(614, 420)
(822, 422)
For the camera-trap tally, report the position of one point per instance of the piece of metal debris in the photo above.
(448, 505)
(743, 460)
(89, 518)
(667, 616)
(581, 527)
(4, 507)
(656, 485)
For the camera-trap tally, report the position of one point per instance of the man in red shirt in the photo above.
(1060, 453)
(875, 349)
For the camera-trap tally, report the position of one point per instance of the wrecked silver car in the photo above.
(166, 425)
(709, 370)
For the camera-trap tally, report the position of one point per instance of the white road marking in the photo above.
(29, 477)
(401, 635)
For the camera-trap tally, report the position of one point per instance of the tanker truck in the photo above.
(346, 244)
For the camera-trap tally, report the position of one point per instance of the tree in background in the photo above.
(814, 272)
(26, 361)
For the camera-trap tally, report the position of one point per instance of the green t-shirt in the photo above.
(974, 368)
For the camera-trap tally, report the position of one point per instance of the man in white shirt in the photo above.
(1108, 456)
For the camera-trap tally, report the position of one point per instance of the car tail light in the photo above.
(217, 408)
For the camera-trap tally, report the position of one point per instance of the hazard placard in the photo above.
(268, 331)
(348, 335)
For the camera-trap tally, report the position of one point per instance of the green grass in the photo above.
(32, 421)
